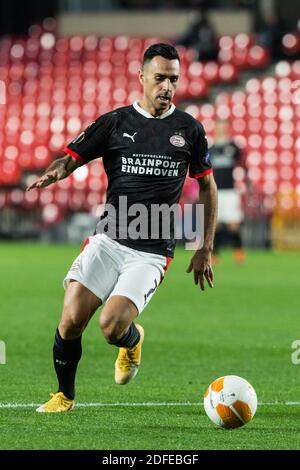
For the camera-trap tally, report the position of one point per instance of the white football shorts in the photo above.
(229, 207)
(107, 268)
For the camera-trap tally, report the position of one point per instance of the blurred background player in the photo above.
(202, 37)
(225, 155)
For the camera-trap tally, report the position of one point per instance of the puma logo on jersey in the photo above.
(129, 136)
(150, 291)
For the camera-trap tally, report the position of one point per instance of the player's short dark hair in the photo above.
(164, 50)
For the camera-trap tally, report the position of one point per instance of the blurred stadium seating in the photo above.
(57, 86)
(265, 124)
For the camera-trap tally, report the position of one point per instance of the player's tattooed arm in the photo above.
(59, 169)
(201, 262)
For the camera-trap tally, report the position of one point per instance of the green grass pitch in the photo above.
(244, 326)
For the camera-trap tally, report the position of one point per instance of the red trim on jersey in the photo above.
(74, 155)
(168, 259)
(87, 241)
(200, 175)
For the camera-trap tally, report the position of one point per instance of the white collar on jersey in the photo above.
(149, 116)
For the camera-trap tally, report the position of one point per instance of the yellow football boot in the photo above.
(57, 404)
(128, 361)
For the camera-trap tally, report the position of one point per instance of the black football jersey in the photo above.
(224, 158)
(146, 160)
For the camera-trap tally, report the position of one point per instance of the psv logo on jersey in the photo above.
(177, 140)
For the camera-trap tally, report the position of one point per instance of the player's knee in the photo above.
(69, 328)
(112, 329)
(71, 322)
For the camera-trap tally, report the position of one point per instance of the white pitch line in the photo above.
(100, 405)
(154, 404)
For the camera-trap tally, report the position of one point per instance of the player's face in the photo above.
(159, 78)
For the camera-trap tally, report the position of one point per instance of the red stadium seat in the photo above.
(291, 44)
(10, 173)
(58, 86)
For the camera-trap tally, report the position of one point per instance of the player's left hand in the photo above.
(201, 266)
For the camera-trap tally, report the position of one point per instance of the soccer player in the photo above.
(147, 149)
(225, 156)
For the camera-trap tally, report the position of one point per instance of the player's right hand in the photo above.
(45, 180)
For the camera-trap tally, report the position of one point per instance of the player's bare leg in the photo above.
(79, 306)
(116, 323)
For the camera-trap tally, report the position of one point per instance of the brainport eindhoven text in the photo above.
(141, 164)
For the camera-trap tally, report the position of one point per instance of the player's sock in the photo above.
(66, 355)
(239, 254)
(217, 243)
(236, 240)
(220, 239)
(130, 339)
